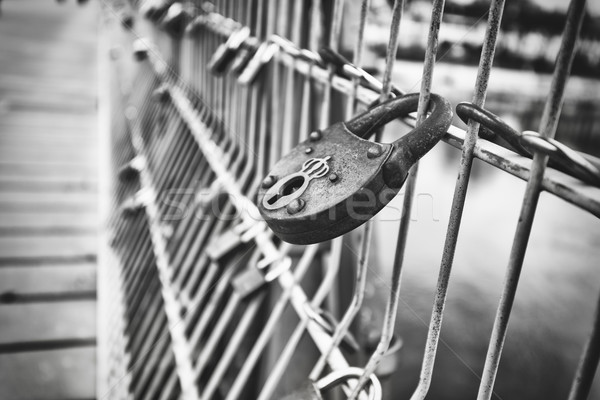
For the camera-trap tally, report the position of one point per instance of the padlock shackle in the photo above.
(367, 123)
(412, 146)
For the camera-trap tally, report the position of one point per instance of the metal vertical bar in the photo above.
(357, 57)
(180, 343)
(336, 24)
(290, 83)
(458, 201)
(334, 39)
(242, 203)
(357, 299)
(548, 125)
(272, 84)
(162, 271)
(361, 269)
(588, 363)
(336, 245)
(269, 326)
(286, 354)
(393, 300)
(392, 49)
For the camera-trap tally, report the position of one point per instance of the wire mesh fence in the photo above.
(202, 299)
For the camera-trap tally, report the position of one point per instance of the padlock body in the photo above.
(350, 194)
(221, 59)
(241, 61)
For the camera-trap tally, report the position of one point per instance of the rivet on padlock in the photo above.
(373, 173)
(313, 390)
(292, 186)
(226, 52)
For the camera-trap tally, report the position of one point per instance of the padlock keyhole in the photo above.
(287, 189)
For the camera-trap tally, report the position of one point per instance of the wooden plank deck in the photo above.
(48, 200)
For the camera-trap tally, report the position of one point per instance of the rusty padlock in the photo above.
(337, 179)
(243, 57)
(227, 51)
(175, 19)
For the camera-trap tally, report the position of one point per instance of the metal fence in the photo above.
(199, 298)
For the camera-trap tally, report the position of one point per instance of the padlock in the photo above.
(140, 49)
(242, 58)
(195, 25)
(263, 55)
(126, 19)
(131, 207)
(253, 278)
(137, 202)
(285, 45)
(336, 180)
(223, 244)
(231, 239)
(131, 170)
(176, 19)
(155, 9)
(313, 390)
(161, 94)
(227, 51)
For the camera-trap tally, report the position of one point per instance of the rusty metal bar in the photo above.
(284, 358)
(181, 347)
(532, 191)
(365, 244)
(588, 363)
(391, 310)
(458, 202)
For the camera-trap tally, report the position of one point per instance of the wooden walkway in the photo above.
(48, 199)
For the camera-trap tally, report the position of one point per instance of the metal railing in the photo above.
(197, 304)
